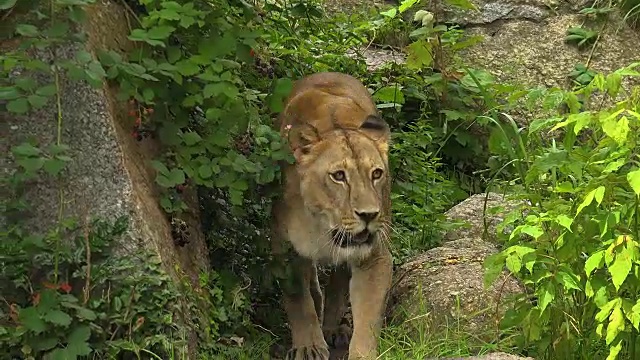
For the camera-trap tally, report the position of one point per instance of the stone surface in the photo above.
(476, 211)
(445, 285)
(110, 174)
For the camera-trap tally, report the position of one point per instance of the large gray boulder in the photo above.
(443, 288)
(110, 174)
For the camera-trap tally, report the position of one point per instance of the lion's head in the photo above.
(344, 179)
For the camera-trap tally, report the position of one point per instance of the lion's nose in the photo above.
(367, 216)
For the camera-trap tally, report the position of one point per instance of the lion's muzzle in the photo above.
(347, 239)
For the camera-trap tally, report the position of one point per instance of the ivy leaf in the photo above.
(30, 318)
(621, 267)
(18, 106)
(633, 177)
(58, 317)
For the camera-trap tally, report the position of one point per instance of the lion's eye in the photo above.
(376, 174)
(338, 176)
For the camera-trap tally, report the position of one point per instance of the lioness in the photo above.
(334, 209)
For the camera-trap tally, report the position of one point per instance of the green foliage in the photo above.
(576, 242)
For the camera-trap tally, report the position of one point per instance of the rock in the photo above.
(109, 175)
(491, 356)
(445, 285)
(473, 213)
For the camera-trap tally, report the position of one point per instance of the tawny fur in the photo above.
(333, 125)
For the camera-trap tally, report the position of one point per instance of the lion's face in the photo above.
(342, 182)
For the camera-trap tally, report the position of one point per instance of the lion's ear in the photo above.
(376, 127)
(301, 139)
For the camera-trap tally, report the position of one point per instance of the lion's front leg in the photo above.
(306, 334)
(370, 283)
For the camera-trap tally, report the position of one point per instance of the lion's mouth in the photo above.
(346, 239)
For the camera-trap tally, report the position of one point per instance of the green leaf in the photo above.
(25, 149)
(160, 32)
(45, 344)
(7, 4)
(191, 138)
(9, 93)
(569, 281)
(634, 315)
(160, 167)
(223, 87)
(37, 101)
(595, 261)
(205, 171)
(18, 106)
(514, 263)
(187, 68)
(176, 176)
(30, 318)
(587, 201)
(633, 177)
(58, 317)
(615, 350)
(532, 230)
(27, 30)
(47, 90)
(419, 55)
(406, 5)
(77, 341)
(173, 54)
(389, 94)
(54, 166)
(218, 46)
(564, 221)
(621, 267)
(616, 324)
(31, 164)
(462, 4)
(599, 194)
(605, 310)
(546, 294)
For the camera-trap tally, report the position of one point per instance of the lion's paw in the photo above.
(308, 353)
(338, 337)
